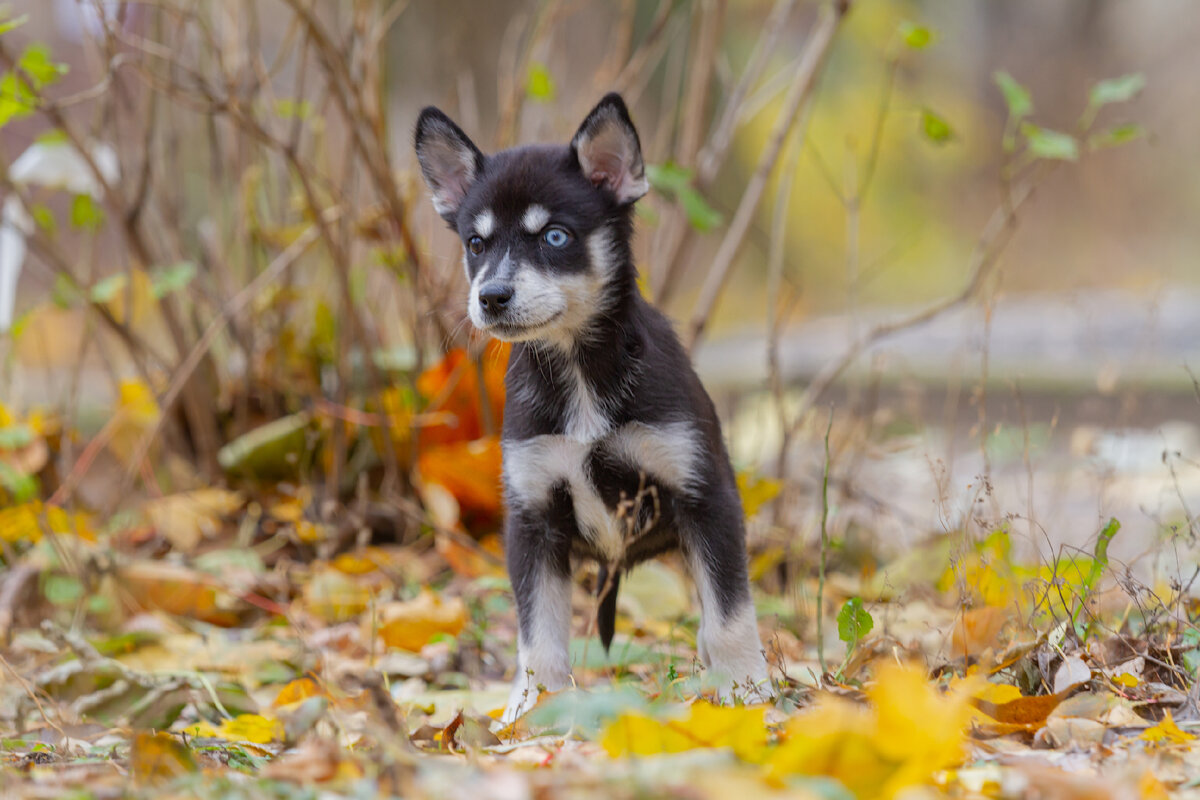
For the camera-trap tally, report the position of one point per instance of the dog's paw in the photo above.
(525, 693)
(747, 691)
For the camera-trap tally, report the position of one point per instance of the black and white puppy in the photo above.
(612, 448)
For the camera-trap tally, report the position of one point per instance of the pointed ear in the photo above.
(449, 161)
(609, 153)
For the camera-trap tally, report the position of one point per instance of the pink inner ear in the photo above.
(606, 170)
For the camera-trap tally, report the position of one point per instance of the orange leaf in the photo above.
(452, 387)
(1028, 712)
(410, 625)
(297, 690)
(176, 589)
(468, 560)
(468, 470)
(978, 629)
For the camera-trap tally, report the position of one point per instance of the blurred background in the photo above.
(961, 231)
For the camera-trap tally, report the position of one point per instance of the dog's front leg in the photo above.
(727, 641)
(540, 570)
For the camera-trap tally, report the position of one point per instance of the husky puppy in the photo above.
(612, 448)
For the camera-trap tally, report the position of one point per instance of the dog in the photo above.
(612, 450)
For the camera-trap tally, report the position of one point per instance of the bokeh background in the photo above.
(1056, 395)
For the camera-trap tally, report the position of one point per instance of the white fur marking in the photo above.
(543, 656)
(670, 453)
(729, 646)
(535, 218)
(532, 467)
(485, 223)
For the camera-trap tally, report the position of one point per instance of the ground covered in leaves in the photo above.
(242, 641)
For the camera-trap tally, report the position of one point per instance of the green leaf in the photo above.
(106, 289)
(62, 590)
(43, 217)
(669, 177)
(287, 108)
(1117, 90)
(1018, 98)
(1115, 137)
(86, 214)
(37, 64)
(918, 37)
(14, 437)
(1045, 143)
(935, 128)
(539, 85)
(676, 182)
(170, 279)
(21, 487)
(1100, 554)
(13, 23)
(700, 215)
(854, 621)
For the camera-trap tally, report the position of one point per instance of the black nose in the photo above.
(495, 296)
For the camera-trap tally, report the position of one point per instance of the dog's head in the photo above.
(545, 228)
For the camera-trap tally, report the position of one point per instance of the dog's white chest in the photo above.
(533, 467)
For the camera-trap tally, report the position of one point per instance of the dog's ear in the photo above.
(450, 161)
(609, 153)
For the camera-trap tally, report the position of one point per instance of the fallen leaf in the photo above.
(741, 729)
(410, 625)
(159, 757)
(187, 518)
(297, 691)
(978, 629)
(468, 470)
(176, 589)
(1166, 733)
(335, 596)
(1070, 674)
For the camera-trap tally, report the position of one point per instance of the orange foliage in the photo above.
(452, 387)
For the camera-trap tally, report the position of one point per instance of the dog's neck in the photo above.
(588, 379)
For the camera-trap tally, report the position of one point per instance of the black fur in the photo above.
(630, 358)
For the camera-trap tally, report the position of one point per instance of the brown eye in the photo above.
(475, 245)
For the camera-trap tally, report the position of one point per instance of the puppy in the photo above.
(612, 448)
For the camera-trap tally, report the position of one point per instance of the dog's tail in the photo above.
(606, 615)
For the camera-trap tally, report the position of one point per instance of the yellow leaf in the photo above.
(756, 491)
(1127, 680)
(410, 625)
(334, 596)
(1166, 733)
(185, 519)
(251, 728)
(134, 300)
(158, 757)
(911, 732)
(27, 522)
(743, 730)
(136, 402)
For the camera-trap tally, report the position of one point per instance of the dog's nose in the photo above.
(495, 296)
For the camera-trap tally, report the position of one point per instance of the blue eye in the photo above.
(556, 237)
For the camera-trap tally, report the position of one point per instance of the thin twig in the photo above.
(824, 548)
(798, 96)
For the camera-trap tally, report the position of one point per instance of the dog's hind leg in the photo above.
(727, 642)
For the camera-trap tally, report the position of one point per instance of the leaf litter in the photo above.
(239, 642)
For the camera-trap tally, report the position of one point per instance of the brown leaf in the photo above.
(157, 757)
(1027, 712)
(176, 589)
(978, 629)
